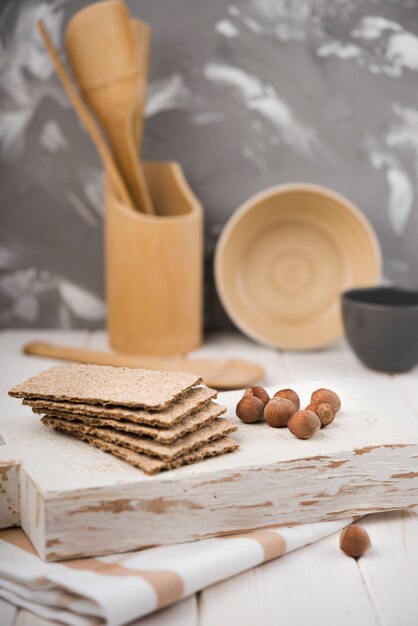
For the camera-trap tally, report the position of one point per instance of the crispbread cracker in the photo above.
(101, 384)
(167, 452)
(193, 422)
(153, 465)
(190, 402)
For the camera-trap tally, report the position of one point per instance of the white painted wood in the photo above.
(408, 389)
(75, 496)
(71, 498)
(315, 585)
(337, 363)
(390, 569)
(9, 493)
(182, 613)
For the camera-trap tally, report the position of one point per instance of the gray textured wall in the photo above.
(245, 95)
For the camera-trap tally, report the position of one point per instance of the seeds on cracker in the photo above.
(190, 402)
(167, 451)
(153, 420)
(190, 423)
(152, 465)
(101, 384)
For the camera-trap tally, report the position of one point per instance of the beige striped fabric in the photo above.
(118, 589)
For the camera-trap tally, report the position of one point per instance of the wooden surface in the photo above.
(73, 498)
(316, 584)
(221, 374)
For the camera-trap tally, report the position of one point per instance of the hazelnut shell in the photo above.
(250, 409)
(327, 395)
(324, 410)
(304, 424)
(258, 392)
(355, 541)
(278, 412)
(289, 394)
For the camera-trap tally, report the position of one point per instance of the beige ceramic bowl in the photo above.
(284, 258)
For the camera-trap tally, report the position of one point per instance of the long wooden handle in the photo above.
(86, 117)
(124, 137)
(217, 373)
(142, 34)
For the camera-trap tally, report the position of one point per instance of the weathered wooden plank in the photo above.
(14, 364)
(317, 585)
(390, 593)
(181, 614)
(71, 486)
(9, 493)
(391, 582)
(338, 363)
(390, 569)
(407, 387)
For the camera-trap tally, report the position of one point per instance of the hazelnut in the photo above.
(304, 424)
(355, 541)
(258, 392)
(289, 394)
(324, 410)
(278, 412)
(326, 395)
(250, 409)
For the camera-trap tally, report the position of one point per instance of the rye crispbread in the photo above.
(152, 465)
(101, 384)
(189, 424)
(190, 402)
(143, 445)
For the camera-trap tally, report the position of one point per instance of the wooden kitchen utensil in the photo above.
(142, 35)
(87, 118)
(216, 373)
(73, 501)
(284, 258)
(154, 268)
(102, 52)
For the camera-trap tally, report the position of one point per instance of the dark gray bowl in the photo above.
(381, 325)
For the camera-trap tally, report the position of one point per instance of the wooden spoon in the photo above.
(217, 373)
(86, 117)
(142, 35)
(102, 52)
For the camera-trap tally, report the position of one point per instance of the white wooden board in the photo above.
(75, 501)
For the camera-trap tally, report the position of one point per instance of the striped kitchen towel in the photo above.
(119, 588)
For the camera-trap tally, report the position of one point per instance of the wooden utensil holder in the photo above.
(154, 267)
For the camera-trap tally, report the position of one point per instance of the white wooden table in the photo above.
(317, 584)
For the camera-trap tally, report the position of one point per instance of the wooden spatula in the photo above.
(102, 51)
(142, 35)
(86, 117)
(216, 373)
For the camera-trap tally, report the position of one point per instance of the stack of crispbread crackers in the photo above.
(151, 419)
